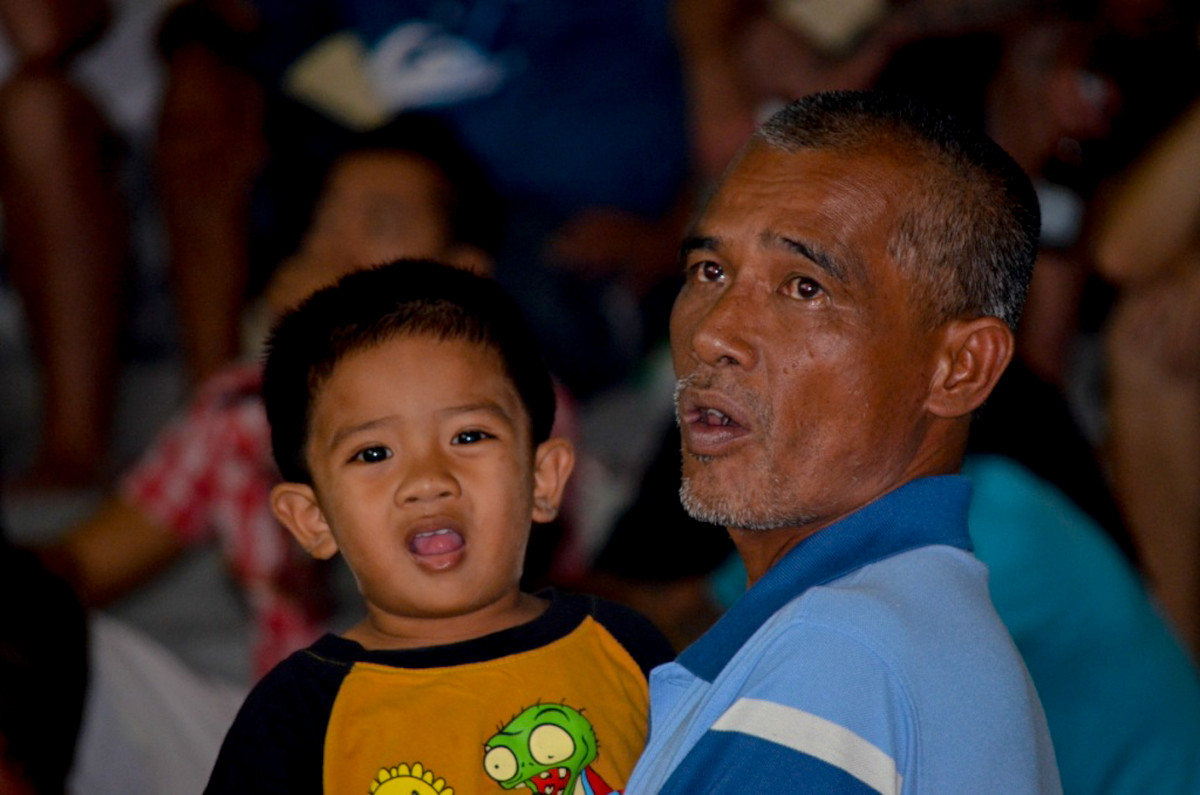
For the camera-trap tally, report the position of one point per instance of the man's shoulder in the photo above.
(914, 611)
(902, 630)
(904, 657)
(927, 579)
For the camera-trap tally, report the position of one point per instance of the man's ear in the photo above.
(553, 461)
(295, 506)
(972, 357)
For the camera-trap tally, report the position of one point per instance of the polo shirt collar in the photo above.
(923, 512)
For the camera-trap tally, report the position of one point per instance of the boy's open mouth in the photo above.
(431, 543)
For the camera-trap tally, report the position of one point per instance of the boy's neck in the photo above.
(381, 632)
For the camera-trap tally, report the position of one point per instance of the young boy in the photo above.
(410, 418)
(405, 190)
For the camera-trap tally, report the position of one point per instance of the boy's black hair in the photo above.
(474, 208)
(408, 297)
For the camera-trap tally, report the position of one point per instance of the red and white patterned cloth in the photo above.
(208, 476)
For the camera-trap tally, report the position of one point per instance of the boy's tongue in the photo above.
(436, 542)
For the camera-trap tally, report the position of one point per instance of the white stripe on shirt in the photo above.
(813, 735)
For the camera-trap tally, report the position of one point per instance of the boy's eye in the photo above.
(470, 437)
(372, 455)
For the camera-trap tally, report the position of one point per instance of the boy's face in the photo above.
(425, 480)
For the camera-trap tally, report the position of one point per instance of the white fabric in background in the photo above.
(151, 725)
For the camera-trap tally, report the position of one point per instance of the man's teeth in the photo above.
(714, 417)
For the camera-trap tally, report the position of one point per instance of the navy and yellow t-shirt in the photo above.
(556, 705)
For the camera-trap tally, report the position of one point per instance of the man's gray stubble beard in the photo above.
(719, 510)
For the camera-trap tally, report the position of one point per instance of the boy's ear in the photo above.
(971, 359)
(295, 506)
(553, 461)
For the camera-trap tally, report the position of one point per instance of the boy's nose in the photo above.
(427, 479)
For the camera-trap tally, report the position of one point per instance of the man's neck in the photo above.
(762, 549)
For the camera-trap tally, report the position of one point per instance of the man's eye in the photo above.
(470, 437)
(372, 455)
(804, 288)
(708, 271)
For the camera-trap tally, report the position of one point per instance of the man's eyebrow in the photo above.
(817, 256)
(697, 243)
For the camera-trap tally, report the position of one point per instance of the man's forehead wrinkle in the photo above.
(812, 252)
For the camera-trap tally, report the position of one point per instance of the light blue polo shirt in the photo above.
(869, 659)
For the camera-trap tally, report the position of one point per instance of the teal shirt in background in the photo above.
(1121, 697)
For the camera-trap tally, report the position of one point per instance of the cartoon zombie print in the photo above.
(549, 749)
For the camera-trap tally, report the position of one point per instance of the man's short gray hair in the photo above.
(969, 235)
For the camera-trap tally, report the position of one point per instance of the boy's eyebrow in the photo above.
(341, 433)
(486, 406)
(466, 408)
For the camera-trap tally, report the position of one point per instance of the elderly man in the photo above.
(851, 293)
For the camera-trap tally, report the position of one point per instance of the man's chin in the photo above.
(719, 505)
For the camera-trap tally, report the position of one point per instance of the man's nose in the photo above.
(724, 331)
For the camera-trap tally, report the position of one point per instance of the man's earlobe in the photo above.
(553, 461)
(295, 506)
(973, 356)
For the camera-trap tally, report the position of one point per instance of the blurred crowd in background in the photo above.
(175, 174)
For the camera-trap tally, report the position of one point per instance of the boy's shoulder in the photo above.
(636, 633)
(276, 741)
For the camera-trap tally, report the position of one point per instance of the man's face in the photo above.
(803, 358)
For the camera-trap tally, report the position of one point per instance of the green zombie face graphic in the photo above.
(545, 748)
